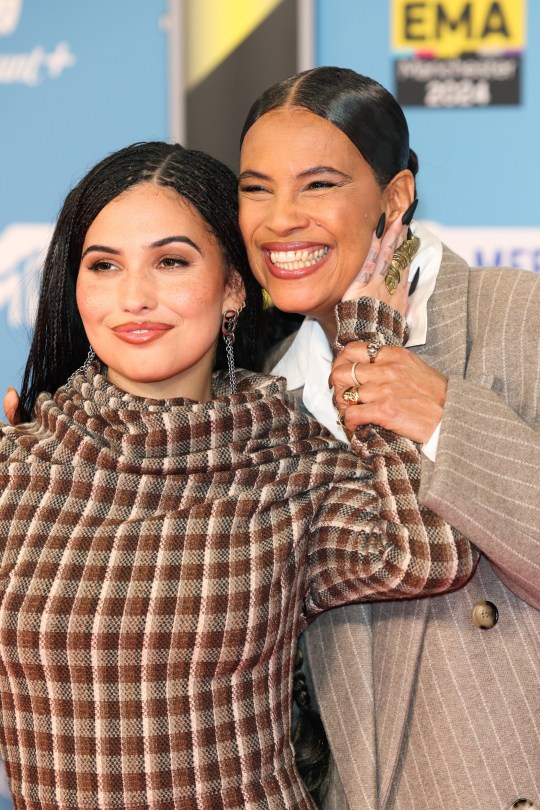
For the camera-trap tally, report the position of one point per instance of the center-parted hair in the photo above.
(359, 106)
(59, 345)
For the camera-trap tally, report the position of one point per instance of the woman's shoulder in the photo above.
(508, 288)
(507, 276)
(270, 401)
(18, 443)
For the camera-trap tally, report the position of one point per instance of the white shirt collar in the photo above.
(428, 259)
(308, 361)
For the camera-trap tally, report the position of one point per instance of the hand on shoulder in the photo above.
(11, 403)
(398, 391)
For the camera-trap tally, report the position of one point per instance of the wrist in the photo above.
(366, 318)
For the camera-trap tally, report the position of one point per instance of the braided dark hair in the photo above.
(59, 345)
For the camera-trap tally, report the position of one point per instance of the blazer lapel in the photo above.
(339, 651)
(446, 342)
(398, 633)
(399, 627)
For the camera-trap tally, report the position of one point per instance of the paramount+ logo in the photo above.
(30, 67)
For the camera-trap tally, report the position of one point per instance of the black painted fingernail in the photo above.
(414, 282)
(409, 213)
(380, 225)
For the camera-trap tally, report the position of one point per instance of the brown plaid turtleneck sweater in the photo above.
(158, 561)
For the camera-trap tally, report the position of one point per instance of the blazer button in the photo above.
(523, 804)
(485, 616)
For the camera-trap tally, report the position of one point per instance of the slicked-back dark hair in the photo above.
(359, 106)
(59, 345)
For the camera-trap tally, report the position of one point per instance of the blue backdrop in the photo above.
(80, 79)
(479, 176)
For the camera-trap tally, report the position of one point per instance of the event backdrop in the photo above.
(79, 79)
(479, 174)
(234, 51)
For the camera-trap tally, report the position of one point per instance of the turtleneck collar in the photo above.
(93, 422)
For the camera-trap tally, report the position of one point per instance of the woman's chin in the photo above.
(302, 304)
(309, 309)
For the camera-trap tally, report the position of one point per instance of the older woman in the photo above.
(432, 703)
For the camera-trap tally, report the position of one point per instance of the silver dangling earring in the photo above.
(91, 356)
(228, 328)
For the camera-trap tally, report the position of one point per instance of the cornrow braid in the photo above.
(59, 343)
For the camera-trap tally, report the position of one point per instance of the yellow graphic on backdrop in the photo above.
(448, 28)
(215, 28)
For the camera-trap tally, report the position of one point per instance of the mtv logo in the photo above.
(22, 250)
(10, 11)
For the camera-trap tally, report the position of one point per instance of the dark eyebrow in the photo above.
(302, 175)
(167, 240)
(100, 249)
(323, 170)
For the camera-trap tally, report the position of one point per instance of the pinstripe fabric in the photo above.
(456, 710)
(158, 561)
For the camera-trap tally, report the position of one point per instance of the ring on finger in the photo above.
(373, 349)
(353, 374)
(351, 395)
(402, 257)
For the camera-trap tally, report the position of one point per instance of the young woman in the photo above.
(435, 696)
(167, 528)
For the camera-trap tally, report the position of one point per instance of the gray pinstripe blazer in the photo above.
(425, 711)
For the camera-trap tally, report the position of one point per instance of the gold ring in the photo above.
(353, 374)
(401, 259)
(351, 395)
(341, 419)
(373, 349)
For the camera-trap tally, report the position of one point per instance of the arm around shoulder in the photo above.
(395, 548)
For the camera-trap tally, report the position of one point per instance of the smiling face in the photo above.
(151, 290)
(309, 204)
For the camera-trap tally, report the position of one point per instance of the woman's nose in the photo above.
(137, 291)
(285, 215)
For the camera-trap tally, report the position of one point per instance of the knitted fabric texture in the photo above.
(157, 563)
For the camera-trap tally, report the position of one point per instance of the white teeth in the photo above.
(295, 259)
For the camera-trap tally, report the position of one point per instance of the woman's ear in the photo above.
(399, 193)
(235, 292)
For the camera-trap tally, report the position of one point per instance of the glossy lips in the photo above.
(294, 260)
(140, 333)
